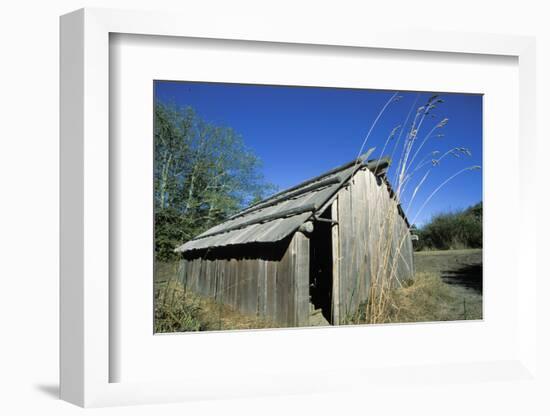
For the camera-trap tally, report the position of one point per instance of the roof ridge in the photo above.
(278, 196)
(277, 216)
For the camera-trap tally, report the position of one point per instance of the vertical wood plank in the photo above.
(373, 214)
(219, 279)
(233, 282)
(200, 273)
(335, 265)
(197, 263)
(410, 257)
(189, 269)
(271, 300)
(346, 244)
(225, 286)
(202, 277)
(290, 294)
(282, 288)
(356, 220)
(359, 194)
(182, 273)
(208, 278)
(243, 277)
(262, 287)
(240, 283)
(301, 280)
(214, 281)
(399, 251)
(252, 298)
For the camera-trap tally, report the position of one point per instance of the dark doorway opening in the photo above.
(320, 265)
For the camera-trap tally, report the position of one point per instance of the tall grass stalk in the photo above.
(385, 221)
(375, 122)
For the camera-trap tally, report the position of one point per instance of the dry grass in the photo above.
(177, 310)
(427, 298)
(413, 302)
(454, 252)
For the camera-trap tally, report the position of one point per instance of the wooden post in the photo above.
(300, 244)
(335, 265)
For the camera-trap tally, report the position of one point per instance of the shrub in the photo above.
(456, 230)
(175, 310)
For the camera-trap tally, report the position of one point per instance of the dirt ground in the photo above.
(462, 270)
(460, 267)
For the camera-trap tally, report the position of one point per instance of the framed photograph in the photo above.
(234, 251)
(275, 211)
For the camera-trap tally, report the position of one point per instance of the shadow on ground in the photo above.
(470, 276)
(51, 390)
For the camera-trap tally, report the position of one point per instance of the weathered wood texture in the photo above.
(335, 263)
(371, 241)
(275, 290)
(300, 272)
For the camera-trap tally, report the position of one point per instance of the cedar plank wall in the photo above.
(365, 212)
(275, 290)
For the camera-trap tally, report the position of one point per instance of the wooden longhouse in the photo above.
(319, 243)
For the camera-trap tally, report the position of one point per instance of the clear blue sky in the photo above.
(300, 132)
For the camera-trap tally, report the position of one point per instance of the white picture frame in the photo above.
(85, 213)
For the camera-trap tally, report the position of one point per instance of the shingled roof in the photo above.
(281, 214)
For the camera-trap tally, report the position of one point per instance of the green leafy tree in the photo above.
(203, 174)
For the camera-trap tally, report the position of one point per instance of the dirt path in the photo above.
(456, 267)
(463, 271)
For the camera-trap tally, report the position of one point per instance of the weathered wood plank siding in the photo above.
(262, 288)
(275, 290)
(335, 263)
(301, 279)
(370, 241)
(271, 299)
(347, 253)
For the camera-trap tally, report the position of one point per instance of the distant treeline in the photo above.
(455, 230)
(203, 173)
